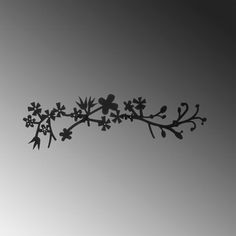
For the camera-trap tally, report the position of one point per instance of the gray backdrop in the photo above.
(121, 182)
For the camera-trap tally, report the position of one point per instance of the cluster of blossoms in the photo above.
(110, 113)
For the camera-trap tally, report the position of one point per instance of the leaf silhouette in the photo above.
(36, 141)
(82, 105)
(178, 135)
(163, 133)
(91, 102)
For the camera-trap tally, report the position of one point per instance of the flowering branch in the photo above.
(110, 113)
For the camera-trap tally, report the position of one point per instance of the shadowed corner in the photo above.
(109, 114)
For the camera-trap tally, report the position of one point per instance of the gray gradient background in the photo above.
(122, 182)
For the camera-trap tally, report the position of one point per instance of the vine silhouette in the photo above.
(110, 113)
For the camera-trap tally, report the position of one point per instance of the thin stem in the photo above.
(92, 112)
(152, 116)
(95, 120)
(77, 123)
(185, 111)
(67, 114)
(150, 123)
(141, 113)
(37, 131)
(40, 117)
(51, 134)
(151, 131)
(50, 140)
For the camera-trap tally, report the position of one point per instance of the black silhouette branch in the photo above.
(83, 113)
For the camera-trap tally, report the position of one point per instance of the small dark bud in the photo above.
(163, 109)
(163, 133)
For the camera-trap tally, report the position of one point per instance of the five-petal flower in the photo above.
(66, 134)
(49, 115)
(76, 114)
(29, 121)
(35, 108)
(104, 123)
(59, 110)
(45, 129)
(107, 104)
(140, 103)
(116, 117)
(128, 106)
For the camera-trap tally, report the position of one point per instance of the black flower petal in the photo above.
(76, 114)
(140, 103)
(66, 134)
(117, 117)
(45, 129)
(104, 123)
(107, 104)
(128, 106)
(49, 115)
(29, 121)
(59, 110)
(36, 108)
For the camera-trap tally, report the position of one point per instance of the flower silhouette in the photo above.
(66, 134)
(29, 121)
(117, 117)
(36, 108)
(107, 104)
(140, 103)
(76, 114)
(45, 129)
(128, 106)
(104, 123)
(59, 110)
(49, 115)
